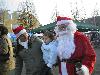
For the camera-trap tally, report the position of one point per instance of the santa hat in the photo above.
(63, 20)
(18, 30)
(67, 21)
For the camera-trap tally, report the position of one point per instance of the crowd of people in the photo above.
(94, 38)
(66, 48)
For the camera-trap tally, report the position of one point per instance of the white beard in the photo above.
(66, 45)
(25, 44)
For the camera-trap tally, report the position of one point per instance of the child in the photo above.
(49, 51)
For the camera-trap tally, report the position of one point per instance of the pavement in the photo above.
(97, 65)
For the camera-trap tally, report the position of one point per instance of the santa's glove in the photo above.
(82, 71)
(79, 72)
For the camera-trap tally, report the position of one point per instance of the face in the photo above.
(62, 27)
(46, 39)
(23, 37)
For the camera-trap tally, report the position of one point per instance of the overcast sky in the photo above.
(44, 8)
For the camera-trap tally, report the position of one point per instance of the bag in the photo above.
(4, 46)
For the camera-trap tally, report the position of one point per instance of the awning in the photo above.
(83, 27)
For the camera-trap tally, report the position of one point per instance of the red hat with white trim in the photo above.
(18, 30)
(63, 20)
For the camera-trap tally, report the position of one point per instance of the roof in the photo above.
(86, 27)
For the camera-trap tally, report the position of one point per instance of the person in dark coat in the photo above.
(7, 62)
(28, 51)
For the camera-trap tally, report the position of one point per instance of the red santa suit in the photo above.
(79, 50)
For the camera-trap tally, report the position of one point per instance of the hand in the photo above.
(80, 72)
(53, 68)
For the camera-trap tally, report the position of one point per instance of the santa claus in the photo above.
(75, 53)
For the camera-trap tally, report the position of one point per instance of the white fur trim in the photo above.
(14, 26)
(63, 22)
(63, 68)
(25, 44)
(49, 65)
(85, 70)
(21, 32)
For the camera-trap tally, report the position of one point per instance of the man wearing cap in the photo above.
(75, 53)
(28, 50)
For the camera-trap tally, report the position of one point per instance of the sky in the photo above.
(45, 8)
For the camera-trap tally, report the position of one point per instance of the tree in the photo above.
(75, 11)
(1, 16)
(79, 13)
(54, 14)
(95, 14)
(27, 15)
(2, 10)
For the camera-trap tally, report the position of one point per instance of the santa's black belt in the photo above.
(72, 61)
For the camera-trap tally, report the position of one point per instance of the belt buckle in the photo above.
(64, 60)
